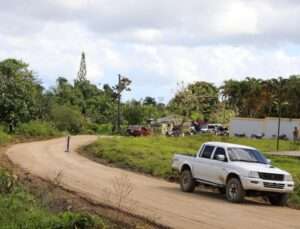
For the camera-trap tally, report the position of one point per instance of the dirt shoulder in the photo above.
(141, 195)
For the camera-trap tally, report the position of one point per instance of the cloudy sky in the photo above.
(157, 43)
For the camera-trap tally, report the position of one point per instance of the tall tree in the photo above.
(260, 98)
(149, 101)
(19, 93)
(199, 98)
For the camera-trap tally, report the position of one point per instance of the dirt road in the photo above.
(150, 197)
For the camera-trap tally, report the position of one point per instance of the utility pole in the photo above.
(119, 104)
(278, 127)
(281, 100)
(123, 84)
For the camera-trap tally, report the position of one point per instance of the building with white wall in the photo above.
(267, 126)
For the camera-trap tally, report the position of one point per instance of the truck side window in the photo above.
(220, 151)
(207, 151)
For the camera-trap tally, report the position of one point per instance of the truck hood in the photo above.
(264, 168)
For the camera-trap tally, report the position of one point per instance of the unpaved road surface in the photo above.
(150, 197)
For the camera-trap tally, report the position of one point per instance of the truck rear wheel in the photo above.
(187, 182)
(279, 199)
(234, 190)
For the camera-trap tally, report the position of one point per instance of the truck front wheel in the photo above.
(279, 199)
(187, 182)
(234, 190)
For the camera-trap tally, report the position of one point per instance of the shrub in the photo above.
(6, 182)
(104, 129)
(73, 220)
(295, 196)
(68, 119)
(37, 128)
(4, 137)
(20, 209)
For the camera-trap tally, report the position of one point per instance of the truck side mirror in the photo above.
(269, 161)
(220, 157)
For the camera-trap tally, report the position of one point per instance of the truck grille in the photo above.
(271, 176)
(273, 185)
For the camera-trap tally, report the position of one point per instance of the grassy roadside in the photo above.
(152, 155)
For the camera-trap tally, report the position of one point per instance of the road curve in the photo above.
(152, 197)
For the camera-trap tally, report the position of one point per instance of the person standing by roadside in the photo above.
(295, 133)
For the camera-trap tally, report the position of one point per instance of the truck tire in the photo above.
(234, 190)
(279, 199)
(187, 182)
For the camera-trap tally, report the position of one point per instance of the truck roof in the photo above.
(226, 144)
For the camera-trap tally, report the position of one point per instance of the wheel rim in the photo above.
(233, 191)
(185, 179)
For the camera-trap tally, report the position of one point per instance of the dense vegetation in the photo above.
(152, 155)
(78, 107)
(4, 137)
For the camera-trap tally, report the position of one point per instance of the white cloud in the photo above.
(156, 43)
(238, 18)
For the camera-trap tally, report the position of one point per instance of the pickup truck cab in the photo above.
(236, 170)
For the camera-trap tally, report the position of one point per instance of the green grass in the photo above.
(292, 165)
(152, 155)
(19, 209)
(4, 137)
(37, 129)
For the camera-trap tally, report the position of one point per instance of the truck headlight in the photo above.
(253, 174)
(288, 177)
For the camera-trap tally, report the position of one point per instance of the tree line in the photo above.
(76, 107)
(258, 98)
(81, 106)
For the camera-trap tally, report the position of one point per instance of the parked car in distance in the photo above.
(211, 128)
(236, 170)
(222, 131)
(258, 136)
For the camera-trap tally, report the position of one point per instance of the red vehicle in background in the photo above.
(138, 131)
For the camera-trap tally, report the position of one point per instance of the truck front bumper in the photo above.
(257, 184)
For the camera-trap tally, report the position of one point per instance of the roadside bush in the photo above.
(94, 128)
(20, 209)
(73, 220)
(6, 182)
(104, 129)
(4, 137)
(68, 119)
(37, 128)
(295, 196)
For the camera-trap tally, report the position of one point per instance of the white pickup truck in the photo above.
(235, 170)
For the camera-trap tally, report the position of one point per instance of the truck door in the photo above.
(217, 170)
(202, 163)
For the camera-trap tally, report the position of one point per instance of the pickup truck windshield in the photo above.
(247, 155)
